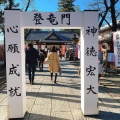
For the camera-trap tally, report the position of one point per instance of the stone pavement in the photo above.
(61, 101)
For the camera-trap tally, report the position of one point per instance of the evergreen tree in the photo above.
(77, 8)
(66, 6)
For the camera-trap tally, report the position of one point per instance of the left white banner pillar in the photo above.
(15, 64)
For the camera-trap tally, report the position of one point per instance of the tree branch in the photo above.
(10, 4)
(28, 4)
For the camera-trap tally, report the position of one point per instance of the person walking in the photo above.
(42, 58)
(67, 54)
(100, 60)
(54, 63)
(32, 56)
(100, 53)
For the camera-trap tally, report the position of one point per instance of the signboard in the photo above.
(110, 62)
(110, 57)
(116, 39)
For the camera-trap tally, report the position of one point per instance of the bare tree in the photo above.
(9, 4)
(6, 4)
(26, 4)
(108, 12)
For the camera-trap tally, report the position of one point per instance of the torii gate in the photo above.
(16, 21)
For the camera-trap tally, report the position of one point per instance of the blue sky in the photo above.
(49, 6)
(52, 5)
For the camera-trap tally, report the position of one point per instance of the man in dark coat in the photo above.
(31, 60)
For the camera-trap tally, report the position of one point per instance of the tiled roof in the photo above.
(107, 27)
(46, 36)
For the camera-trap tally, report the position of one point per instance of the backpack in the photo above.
(42, 56)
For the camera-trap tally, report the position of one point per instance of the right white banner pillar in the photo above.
(89, 63)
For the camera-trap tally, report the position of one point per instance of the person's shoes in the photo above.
(54, 81)
(32, 82)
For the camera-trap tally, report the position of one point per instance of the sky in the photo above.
(49, 6)
(52, 5)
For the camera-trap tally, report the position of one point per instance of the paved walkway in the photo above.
(61, 101)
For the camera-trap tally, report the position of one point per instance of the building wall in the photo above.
(105, 36)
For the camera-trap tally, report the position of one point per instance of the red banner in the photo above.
(63, 49)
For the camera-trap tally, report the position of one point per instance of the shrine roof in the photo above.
(51, 36)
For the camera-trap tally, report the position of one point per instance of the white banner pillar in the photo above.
(89, 63)
(15, 64)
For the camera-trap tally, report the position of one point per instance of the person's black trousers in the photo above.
(41, 65)
(31, 69)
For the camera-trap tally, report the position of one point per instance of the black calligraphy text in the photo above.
(13, 29)
(91, 30)
(91, 90)
(13, 48)
(13, 70)
(13, 92)
(90, 70)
